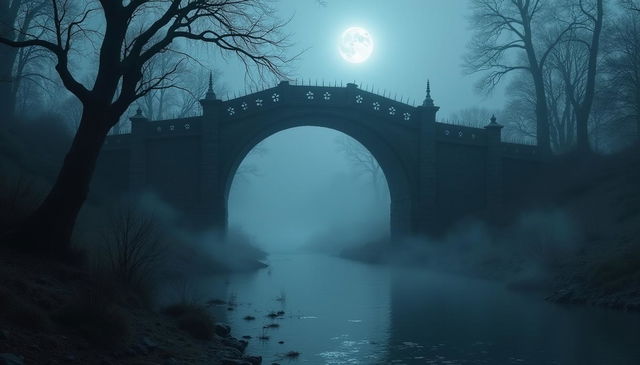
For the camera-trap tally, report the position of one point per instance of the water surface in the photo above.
(343, 312)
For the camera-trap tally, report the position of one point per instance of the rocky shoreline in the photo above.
(580, 294)
(33, 292)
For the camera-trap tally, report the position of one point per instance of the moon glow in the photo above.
(355, 45)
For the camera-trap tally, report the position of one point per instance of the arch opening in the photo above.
(309, 187)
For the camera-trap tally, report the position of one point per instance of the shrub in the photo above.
(193, 319)
(22, 313)
(97, 319)
(132, 245)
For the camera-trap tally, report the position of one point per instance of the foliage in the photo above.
(132, 244)
(193, 319)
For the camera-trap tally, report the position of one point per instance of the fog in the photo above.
(299, 184)
(135, 227)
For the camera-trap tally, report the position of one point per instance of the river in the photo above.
(338, 311)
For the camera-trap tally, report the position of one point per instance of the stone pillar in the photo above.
(138, 153)
(212, 207)
(494, 169)
(425, 220)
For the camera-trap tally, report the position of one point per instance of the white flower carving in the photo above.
(327, 96)
(259, 102)
(376, 105)
(407, 116)
(244, 105)
(359, 99)
(231, 110)
(309, 95)
(275, 97)
(392, 110)
(187, 126)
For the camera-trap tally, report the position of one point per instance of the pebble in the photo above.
(11, 359)
(222, 329)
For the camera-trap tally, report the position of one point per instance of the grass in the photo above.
(193, 319)
(620, 269)
(100, 322)
(22, 313)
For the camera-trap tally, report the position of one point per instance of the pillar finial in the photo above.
(428, 101)
(211, 95)
(493, 124)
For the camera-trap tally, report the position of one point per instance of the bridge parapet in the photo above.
(520, 151)
(287, 95)
(157, 128)
(460, 134)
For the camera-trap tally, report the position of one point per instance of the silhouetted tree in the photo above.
(127, 36)
(16, 22)
(621, 70)
(585, 49)
(516, 35)
(362, 161)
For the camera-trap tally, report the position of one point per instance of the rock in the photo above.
(222, 329)
(4, 335)
(149, 343)
(231, 353)
(11, 359)
(239, 345)
(138, 349)
(253, 360)
(235, 362)
(70, 358)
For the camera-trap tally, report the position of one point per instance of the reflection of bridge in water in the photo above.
(437, 173)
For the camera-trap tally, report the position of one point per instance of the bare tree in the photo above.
(17, 18)
(631, 4)
(363, 162)
(248, 168)
(127, 35)
(621, 70)
(516, 35)
(584, 49)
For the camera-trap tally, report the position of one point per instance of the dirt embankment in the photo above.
(54, 313)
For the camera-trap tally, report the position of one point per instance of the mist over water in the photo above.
(298, 187)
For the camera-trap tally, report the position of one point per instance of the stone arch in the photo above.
(237, 142)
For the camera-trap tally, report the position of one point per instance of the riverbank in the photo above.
(53, 313)
(573, 236)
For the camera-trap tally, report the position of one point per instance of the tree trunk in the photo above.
(50, 227)
(583, 110)
(7, 96)
(582, 130)
(542, 114)
(7, 61)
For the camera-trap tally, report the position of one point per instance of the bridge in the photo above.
(437, 173)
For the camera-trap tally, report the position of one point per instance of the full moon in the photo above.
(356, 45)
